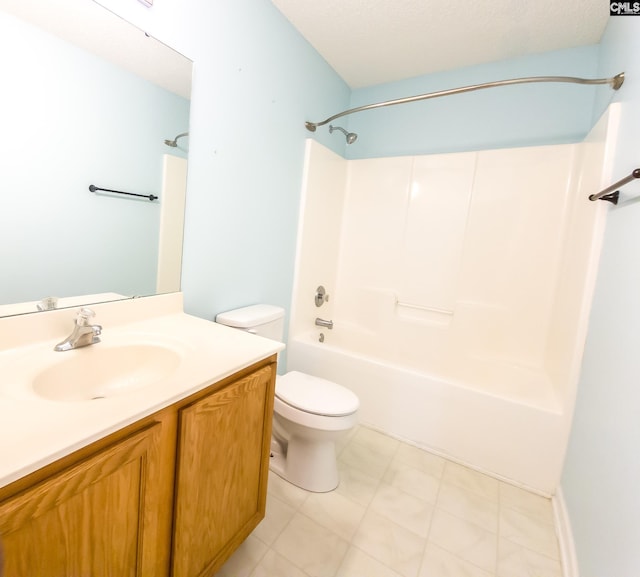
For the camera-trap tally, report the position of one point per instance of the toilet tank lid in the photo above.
(250, 316)
(314, 395)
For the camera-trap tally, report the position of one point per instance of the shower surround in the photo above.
(460, 286)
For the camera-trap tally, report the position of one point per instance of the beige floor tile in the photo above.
(365, 459)
(335, 512)
(421, 460)
(469, 506)
(311, 547)
(274, 565)
(438, 562)
(390, 544)
(245, 559)
(356, 485)
(464, 539)
(517, 560)
(526, 502)
(358, 564)
(406, 510)
(413, 481)
(277, 517)
(343, 441)
(472, 481)
(285, 491)
(529, 532)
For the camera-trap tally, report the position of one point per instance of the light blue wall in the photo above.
(521, 115)
(256, 81)
(601, 479)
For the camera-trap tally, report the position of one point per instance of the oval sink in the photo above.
(97, 372)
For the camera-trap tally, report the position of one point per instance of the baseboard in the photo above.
(565, 536)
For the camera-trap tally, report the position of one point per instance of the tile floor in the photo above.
(400, 512)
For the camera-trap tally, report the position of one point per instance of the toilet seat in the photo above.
(316, 396)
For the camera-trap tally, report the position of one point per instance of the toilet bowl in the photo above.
(309, 414)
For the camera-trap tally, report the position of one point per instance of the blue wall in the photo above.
(256, 80)
(601, 479)
(521, 115)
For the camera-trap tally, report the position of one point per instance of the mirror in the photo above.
(89, 100)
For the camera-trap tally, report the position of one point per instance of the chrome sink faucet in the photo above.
(83, 333)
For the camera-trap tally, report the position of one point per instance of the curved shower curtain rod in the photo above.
(615, 82)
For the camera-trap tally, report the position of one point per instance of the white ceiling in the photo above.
(367, 42)
(370, 42)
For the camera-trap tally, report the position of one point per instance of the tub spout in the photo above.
(322, 323)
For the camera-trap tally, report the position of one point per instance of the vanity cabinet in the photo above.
(173, 494)
(98, 517)
(222, 470)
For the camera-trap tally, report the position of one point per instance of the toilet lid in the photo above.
(315, 395)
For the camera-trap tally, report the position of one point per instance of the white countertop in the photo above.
(35, 432)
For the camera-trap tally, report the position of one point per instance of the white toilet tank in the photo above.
(264, 320)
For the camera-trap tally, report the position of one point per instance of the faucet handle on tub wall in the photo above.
(321, 296)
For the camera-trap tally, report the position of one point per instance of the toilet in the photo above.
(309, 414)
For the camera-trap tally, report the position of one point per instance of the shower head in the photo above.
(351, 136)
(173, 143)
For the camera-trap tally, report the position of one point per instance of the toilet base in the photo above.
(312, 466)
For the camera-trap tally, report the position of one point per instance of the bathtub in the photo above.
(514, 434)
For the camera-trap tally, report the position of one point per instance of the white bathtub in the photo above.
(507, 432)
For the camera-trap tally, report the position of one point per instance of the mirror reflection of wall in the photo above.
(70, 120)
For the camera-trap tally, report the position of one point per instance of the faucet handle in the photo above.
(48, 304)
(84, 314)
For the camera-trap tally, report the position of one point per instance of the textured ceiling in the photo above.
(370, 42)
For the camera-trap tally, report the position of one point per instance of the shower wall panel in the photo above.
(583, 231)
(449, 264)
(459, 253)
(436, 208)
(324, 180)
(513, 248)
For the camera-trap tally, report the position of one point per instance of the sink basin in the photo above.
(98, 372)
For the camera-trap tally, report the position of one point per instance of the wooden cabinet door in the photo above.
(223, 464)
(90, 520)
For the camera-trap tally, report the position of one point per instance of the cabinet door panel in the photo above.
(85, 521)
(222, 472)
